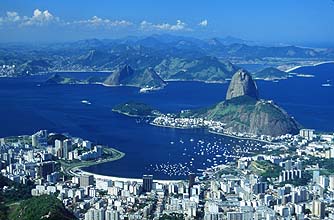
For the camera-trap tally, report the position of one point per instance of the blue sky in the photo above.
(287, 21)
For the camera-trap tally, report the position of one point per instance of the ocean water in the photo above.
(27, 106)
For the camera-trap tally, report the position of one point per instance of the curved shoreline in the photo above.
(76, 170)
(238, 137)
(70, 169)
(213, 132)
(124, 179)
(315, 64)
(130, 115)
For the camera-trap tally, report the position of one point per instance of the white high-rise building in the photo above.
(318, 209)
(112, 215)
(308, 134)
(331, 182)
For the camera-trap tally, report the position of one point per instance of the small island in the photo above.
(135, 109)
(57, 79)
(271, 73)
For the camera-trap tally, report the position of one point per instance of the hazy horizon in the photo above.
(286, 21)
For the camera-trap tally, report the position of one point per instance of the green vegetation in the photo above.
(206, 68)
(135, 109)
(57, 79)
(52, 138)
(142, 78)
(25, 139)
(228, 171)
(246, 114)
(13, 194)
(270, 74)
(326, 165)
(42, 207)
(15, 191)
(265, 169)
(196, 58)
(230, 108)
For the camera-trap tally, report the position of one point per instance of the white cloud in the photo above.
(203, 23)
(12, 16)
(98, 22)
(40, 18)
(178, 26)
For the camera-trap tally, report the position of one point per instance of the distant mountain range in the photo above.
(172, 57)
(206, 68)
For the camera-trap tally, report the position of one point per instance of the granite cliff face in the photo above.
(242, 84)
(244, 112)
(126, 76)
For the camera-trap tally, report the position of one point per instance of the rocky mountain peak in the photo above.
(242, 84)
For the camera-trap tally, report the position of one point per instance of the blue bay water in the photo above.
(166, 153)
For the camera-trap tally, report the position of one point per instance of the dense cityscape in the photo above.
(291, 179)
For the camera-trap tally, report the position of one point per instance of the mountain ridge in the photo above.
(126, 76)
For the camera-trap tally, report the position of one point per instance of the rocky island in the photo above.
(56, 79)
(126, 76)
(244, 112)
(146, 79)
(270, 73)
(135, 109)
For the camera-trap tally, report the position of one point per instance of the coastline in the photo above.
(70, 169)
(132, 116)
(76, 170)
(315, 64)
(78, 71)
(166, 126)
(196, 80)
(125, 179)
(239, 137)
(214, 132)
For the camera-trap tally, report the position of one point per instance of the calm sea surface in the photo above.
(166, 153)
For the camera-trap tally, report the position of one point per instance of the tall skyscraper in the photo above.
(192, 177)
(67, 147)
(318, 209)
(59, 148)
(234, 216)
(307, 133)
(331, 182)
(147, 183)
(86, 180)
(46, 168)
(34, 140)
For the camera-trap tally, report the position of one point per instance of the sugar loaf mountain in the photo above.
(243, 111)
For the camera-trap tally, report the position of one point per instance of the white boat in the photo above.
(326, 85)
(148, 89)
(85, 102)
